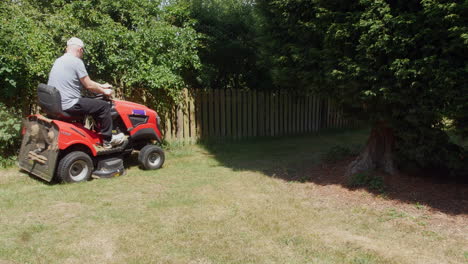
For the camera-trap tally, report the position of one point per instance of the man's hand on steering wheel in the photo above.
(107, 89)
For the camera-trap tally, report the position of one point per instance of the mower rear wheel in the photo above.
(151, 157)
(76, 166)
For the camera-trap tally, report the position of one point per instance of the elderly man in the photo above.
(69, 75)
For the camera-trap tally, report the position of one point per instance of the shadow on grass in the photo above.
(307, 159)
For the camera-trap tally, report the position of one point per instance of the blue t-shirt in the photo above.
(65, 76)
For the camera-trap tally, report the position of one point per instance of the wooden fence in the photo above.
(240, 114)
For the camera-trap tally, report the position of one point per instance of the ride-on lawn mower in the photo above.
(60, 145)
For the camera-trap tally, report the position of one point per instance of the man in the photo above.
(69, 75)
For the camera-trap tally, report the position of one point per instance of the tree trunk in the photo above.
(378, 153)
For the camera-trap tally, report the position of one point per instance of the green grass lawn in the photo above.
(216, 203)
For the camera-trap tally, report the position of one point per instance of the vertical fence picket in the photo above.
(249, 114)
(267, 114)
(333, 115)
(167, 126)
(302, 113)
(254, 113)
(299, 114)
(295, 115)
(185, 117)
(275, 114)
(240, 118)
(179, 122)
(228, 113)
(288, 114)
(316, 114)
(280, 113)
(317, 108)
(309, 113)
(222, 106)
(216, 113)
(234, 113)
(205, 128)
(306, 114)
(198, 114)
(245, 120)
(192, 118)
(272, 113)
(287, 108)
(211, 125)
(261, 114)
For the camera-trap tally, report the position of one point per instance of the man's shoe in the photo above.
(115, 141)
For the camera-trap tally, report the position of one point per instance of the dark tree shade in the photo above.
(400, 64)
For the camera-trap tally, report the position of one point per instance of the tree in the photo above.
(400, 64)
(228, 51)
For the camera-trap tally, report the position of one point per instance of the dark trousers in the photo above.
(98, 109)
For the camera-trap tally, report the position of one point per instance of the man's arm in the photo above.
(94, 86)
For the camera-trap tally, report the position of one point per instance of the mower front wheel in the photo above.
(76, 166)
(151, 157)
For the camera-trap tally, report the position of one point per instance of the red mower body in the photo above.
(139, 120)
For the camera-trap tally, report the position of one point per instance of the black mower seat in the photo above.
(51, 103)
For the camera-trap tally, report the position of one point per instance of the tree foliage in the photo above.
(228, 49)
(129, 43)
(399, 62)
(10, 123)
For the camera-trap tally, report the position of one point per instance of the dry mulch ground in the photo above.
(444, 205)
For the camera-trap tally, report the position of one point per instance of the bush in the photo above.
(10, 138)
(431, 149)
(367, 180)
